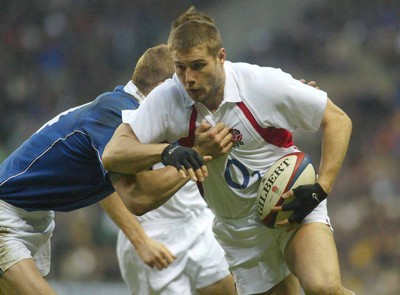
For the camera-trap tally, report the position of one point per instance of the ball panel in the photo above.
(286, 173)
(306, 175)
(274, 183)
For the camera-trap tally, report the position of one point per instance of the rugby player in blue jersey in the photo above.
(59, 168)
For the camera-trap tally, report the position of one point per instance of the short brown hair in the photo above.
(193, 34)
(153, 67)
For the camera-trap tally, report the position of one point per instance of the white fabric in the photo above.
(257, 263)
(134, 91)
(200, 259)
(274, 99)
(25, 235)
(185, 202)
(267, 92)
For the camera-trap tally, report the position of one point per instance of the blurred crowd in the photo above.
(56, 54)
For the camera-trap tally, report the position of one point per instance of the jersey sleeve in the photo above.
(150, 121)
(102, 122)
(287, 103)
(302, 106)
(103, 126)
(306, 104)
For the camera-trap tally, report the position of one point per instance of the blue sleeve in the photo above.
(106, 118)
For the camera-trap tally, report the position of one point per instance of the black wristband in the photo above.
(307, 198)
(315, 190)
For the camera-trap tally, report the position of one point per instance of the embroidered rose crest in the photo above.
(236, 138)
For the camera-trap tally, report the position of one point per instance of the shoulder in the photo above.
(116, 99)
(253, 75)
(109, 105)
(245, 69)
(256, 81)
(168, 94)
(103, 113)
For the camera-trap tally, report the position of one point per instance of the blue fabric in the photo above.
(59, 167)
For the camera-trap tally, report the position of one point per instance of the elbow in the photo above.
(137, 208)
(136, 203)
(350, 123)
(347, 122)
(133, 195)
(106, 160)
(139, 211)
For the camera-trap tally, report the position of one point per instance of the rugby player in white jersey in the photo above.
(261, 106)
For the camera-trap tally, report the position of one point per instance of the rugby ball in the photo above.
(286, 173)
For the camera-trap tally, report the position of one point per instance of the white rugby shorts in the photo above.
(25, 235)
(255, 253)
(199, 261)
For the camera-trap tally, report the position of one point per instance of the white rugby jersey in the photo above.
(184, 202)
(261, 105)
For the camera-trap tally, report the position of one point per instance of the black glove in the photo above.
(178, 156)
(307, 198)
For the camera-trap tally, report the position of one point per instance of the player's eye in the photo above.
(179, 67)
(197, 66)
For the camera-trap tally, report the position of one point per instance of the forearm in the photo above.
(128, 158)
(336, 128)
(125, 220)
(150, 189)
(158, 186)
(125, 154)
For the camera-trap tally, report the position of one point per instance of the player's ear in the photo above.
(221, 56)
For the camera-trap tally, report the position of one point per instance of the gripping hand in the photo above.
(307, 198)
(179, 156)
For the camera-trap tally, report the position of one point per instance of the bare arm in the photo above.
(125, 154)
(152, 252)
(336, 130)
(148, 190)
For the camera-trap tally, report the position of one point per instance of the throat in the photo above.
(213, 107)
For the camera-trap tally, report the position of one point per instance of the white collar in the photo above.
(231, 90)
(134, 91)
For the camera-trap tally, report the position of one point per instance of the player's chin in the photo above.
(196, 94)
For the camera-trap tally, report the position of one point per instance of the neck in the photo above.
(213, 107)
(216, 99)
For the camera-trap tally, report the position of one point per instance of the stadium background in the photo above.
(55, 54)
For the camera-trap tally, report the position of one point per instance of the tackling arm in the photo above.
(148, 190)
(124, 153)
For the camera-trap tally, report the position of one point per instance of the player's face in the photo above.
(202, 75)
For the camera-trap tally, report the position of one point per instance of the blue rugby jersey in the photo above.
(59, 167)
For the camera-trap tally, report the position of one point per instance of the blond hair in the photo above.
(193, 34)
(191, 14)
(153, 67)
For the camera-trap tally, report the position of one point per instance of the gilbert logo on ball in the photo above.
(285, 174)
